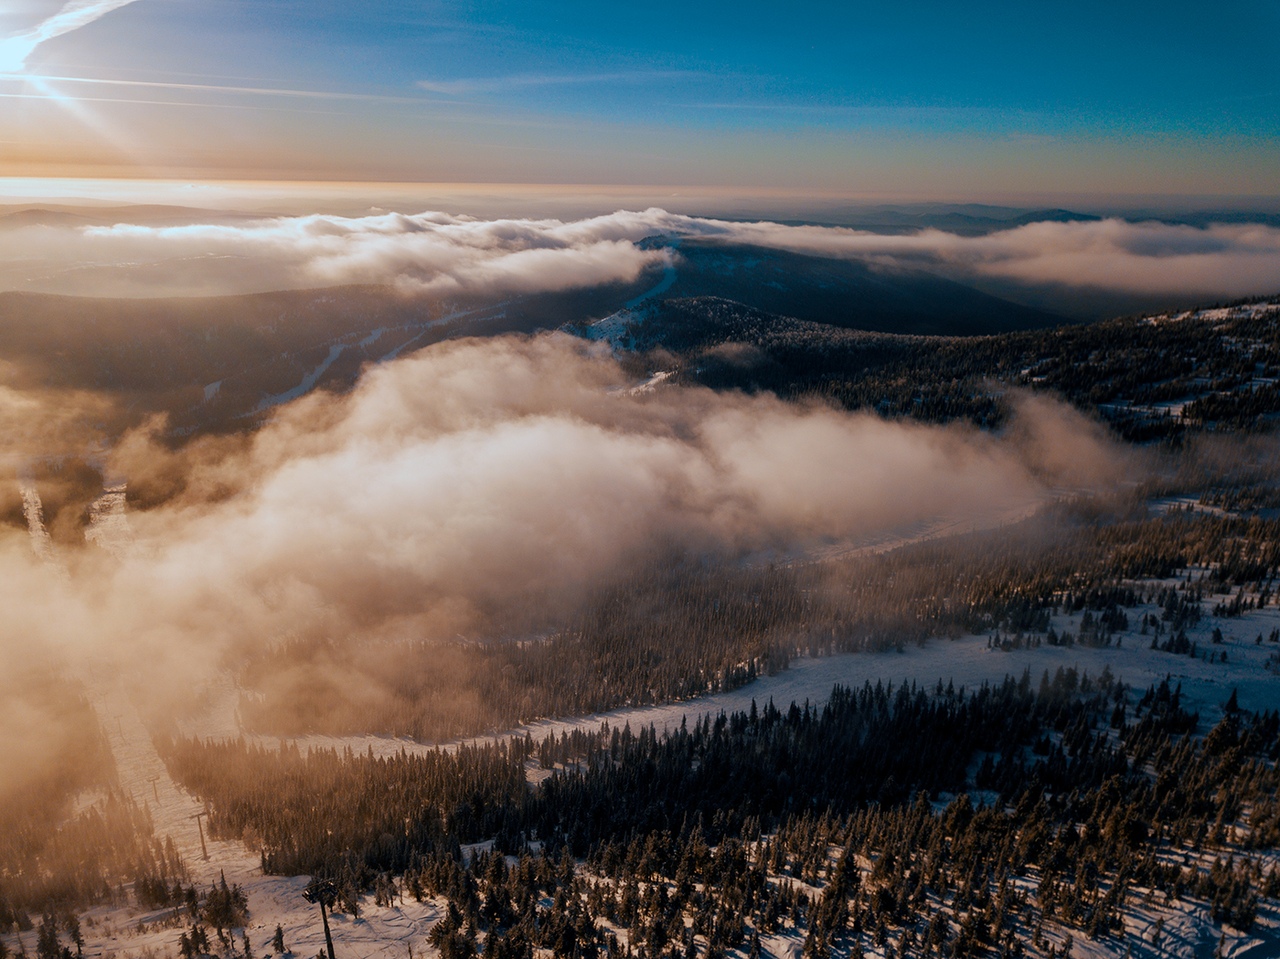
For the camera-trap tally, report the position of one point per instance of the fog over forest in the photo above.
(480, 482)
(436, 476)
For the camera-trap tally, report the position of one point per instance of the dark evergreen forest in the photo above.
(1220, 370)
(934, 821)
(54, 857)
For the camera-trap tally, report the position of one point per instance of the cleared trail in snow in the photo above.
(33, 512)
(115, 933)
(109, 522)
(613, 327)
(143, 776)
(308, 382)
(964, 662)
(142, 773)
(969, 662)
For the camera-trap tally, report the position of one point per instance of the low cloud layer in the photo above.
(1114, 255)
(432, 253)
(483, 480)
(445, 255)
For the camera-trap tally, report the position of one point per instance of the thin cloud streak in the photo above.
(15, 51)
(137, 101)
(445, 109)
(843, 109)
(475, 85)
(219, 88)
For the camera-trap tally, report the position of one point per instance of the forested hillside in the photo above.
(1149, 377)
(817, 824)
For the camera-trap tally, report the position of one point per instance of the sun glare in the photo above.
(48, 92)
(13, 54)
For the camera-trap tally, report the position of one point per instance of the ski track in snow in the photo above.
(613, 327)
(129, 933)
(381, 933)
(109, 522)
(911, 534)
(307, 383)
(33, 511)
(966, 662)
(651, 384)
(497, 311)
(667, 282)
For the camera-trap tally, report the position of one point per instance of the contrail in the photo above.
(75, 14)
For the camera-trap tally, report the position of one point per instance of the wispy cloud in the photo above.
(15, 50)
(30, 86)
(477, 85)
(225, 88)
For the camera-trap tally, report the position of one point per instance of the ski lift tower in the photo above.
(324, 892)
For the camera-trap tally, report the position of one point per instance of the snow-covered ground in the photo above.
(1246, 310)
(380, 932)
(1252, 668)
(391, 932)
(614, 328)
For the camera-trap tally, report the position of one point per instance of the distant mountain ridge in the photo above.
(845, 292)
(963, 220)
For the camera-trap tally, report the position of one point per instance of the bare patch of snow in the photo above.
(109, 522)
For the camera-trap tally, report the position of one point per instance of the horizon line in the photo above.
(16, 187)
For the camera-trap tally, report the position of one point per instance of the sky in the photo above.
(914, 99)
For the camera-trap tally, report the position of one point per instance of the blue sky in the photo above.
(926, 99)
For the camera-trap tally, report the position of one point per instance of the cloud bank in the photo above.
(1113, 255)
(443, 254)
(488, 481)
(431, 253)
